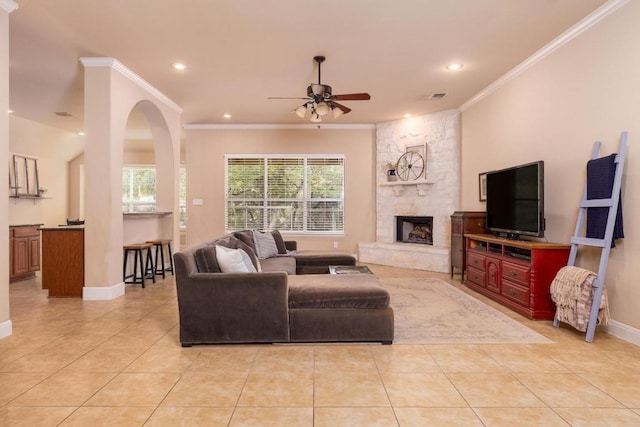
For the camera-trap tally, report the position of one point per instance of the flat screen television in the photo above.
(515, 200)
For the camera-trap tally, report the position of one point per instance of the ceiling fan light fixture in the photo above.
(322, 109)
(301, 111)
(320, 101)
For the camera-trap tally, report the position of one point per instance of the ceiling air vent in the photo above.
(437, 95)
(63, 114)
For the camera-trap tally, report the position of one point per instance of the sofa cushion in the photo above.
(206, 260)
(279, 263)
(246, 236)
(323, 258)
(361, 291)
(230, 241)
(265, 244)
(277, 237)
(234, 260)
(239, 244)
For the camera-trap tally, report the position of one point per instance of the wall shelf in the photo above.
(398, 186)
(27, 197)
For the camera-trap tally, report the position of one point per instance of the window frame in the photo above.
(182, 203)
(305, 200)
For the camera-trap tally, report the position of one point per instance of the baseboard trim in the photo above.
(103, 293)
(6, 329)
(622, 331)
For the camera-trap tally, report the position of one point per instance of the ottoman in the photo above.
(339, 308)
(318, 262)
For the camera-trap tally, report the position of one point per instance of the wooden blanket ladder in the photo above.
(605, 243)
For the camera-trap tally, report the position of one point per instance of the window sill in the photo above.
(137, 215)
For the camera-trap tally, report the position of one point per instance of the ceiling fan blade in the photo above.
(344, 109)
(284, 97)
(353, 97)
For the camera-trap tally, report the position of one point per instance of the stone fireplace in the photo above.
(414, 229)
(437, 195)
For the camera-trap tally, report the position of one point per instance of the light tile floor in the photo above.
(119, 363)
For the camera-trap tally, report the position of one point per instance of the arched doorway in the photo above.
(112, 93)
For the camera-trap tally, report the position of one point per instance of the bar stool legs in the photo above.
(159, 257)
(146, 266)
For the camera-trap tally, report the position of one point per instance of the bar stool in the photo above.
(146, 267)
(159, 245)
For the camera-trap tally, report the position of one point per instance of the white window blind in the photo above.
(138, 189)
(290, 193)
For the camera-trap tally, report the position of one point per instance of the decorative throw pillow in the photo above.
(206, 260)
(264, 244)
(277, 237)
(239, 244)
(234, 260)
(245, 236)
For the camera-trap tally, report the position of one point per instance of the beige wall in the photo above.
(204, 154)
(585, 91)
(52, 147)
(111, 93)
(5, 322)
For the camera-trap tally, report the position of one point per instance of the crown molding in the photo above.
(574, 31)
(8, 5)
(136, 79)
(205, 126)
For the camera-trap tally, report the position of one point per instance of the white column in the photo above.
(6, 7)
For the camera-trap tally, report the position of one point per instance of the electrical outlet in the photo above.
(335, 245)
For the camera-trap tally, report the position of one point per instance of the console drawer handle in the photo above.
(513, 273)
(512, 291)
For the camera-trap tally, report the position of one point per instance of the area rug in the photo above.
(431, 311)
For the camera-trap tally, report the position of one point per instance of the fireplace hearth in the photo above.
(414, 229)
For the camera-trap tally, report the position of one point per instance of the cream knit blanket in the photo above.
(572, 290)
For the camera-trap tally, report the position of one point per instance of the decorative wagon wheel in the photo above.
(410, 166)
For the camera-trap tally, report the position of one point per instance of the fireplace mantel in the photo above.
(399, 186)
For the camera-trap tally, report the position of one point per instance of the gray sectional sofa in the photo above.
(278, 303)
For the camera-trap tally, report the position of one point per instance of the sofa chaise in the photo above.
(277, 303)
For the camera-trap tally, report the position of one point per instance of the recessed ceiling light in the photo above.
(227, 116)
(406, 116)
(81, 133)
(10, 111)
(454, 67)
(179, 66)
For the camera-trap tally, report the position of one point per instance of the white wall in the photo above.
(586, 90)
(440, 134)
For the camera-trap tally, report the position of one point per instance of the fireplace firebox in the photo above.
(414, 229)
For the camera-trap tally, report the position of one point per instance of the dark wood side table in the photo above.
(464, 222)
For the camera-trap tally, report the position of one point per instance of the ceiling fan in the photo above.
(320, 101)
